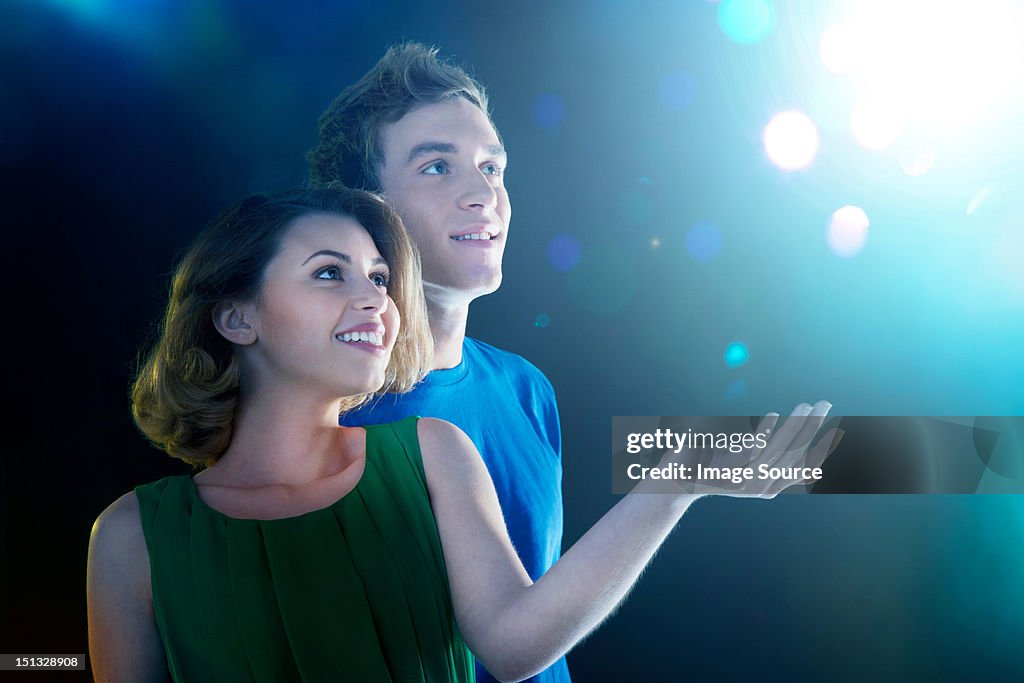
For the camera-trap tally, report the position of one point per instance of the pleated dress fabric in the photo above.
(356, 591)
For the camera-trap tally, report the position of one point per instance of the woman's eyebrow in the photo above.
(379, 260)
(329, 252)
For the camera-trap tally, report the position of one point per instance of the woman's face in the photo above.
(323, 319)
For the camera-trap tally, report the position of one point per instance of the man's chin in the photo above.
(468, 289)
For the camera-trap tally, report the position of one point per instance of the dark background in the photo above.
(127, 125)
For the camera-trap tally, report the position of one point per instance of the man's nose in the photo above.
(477, 191)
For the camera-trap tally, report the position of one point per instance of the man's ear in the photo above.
(233, 320)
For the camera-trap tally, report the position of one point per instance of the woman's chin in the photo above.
(358, 389)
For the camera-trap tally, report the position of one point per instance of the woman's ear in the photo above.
(234, 320)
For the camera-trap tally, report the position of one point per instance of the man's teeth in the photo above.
(374, 338)
(473, 236)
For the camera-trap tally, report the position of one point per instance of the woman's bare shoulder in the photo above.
(120, 517)
(436, 430)
(440, 437)
(117, 542)
(449, 456)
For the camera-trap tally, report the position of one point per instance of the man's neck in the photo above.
(447, 315)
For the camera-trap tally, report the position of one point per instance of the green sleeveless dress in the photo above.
(353, 592)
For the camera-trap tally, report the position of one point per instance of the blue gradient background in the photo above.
(128, 125)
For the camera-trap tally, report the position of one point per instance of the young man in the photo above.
(416, 129)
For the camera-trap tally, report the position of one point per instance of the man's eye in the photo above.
(436, 168)
(492, 169)
(329, 273)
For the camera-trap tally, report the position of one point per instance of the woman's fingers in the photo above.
(720, 471)
(799, 453)
(791, 449)
(792, 433)
(767, 427)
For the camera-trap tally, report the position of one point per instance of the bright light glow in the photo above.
(978, 198)
(847, 231)
(791, 140)
(736, 354)
(937, 64)
(86, 9)
(746, 21)
(917, 159)
(876, 122)
(841, 48)
(1003, 268)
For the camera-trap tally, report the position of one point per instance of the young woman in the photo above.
(308, 551)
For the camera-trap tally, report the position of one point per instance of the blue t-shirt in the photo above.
(507, 407)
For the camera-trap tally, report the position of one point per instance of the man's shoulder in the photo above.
(504, 361)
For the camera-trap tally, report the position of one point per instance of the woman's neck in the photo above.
(282, 437)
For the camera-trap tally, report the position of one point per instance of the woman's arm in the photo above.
(514, 627)
(124, 644)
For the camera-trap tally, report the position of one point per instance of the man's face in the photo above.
(443, 171)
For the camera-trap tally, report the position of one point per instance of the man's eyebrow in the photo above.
(341, 257)
(430, 148)
(433, 147)
(495, 150)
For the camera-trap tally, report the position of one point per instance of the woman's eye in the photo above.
(436, 168)
(329, 273)
(380, 279)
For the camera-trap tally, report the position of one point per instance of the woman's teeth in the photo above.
(473, 236)
(374, 338)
